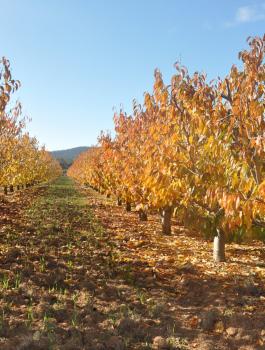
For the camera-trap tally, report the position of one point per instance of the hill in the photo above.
(66, 156)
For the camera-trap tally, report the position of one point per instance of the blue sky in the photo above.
(77, 59)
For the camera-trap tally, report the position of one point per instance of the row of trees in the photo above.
(192, 147)
(22, 161)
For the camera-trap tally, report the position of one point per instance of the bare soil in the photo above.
(79, 272)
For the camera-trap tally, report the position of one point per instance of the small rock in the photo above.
(159, 343)
(231, 331)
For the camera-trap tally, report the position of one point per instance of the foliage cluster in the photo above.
(193, 146)
(22, 161)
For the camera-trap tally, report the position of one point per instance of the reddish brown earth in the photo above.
(78, 272)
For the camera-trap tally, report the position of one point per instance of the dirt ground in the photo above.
(79, 272)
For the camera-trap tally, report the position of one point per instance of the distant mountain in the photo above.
(66, 156)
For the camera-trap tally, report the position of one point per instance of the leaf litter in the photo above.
(79, 272)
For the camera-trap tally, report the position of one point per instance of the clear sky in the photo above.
(77, 59)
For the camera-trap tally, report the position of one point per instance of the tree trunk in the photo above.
(142, 215)
(27, 185)
(119, 201)
(11, 188)
(18, 187)
(5, 190)
(166, 215)
(128, 206)
(219, 246)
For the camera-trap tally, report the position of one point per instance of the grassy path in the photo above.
(61, 285)
(51, 269)
(78, 272)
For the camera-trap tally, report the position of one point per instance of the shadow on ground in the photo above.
(70, 281)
